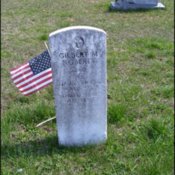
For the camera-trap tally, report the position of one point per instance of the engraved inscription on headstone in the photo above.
(78, 58)
(136, 4)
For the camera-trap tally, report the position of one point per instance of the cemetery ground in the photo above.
(140, 91)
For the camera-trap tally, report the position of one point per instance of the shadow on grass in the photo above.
(40, 147)
(139, 10)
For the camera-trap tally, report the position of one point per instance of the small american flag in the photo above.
(33, 75)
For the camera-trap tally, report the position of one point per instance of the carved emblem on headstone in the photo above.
(79, 42)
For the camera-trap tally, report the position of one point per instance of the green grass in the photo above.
(140, 91)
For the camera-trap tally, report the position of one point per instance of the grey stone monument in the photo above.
(136, 4)
(78, 59)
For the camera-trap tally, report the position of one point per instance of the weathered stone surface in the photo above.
(136, 4)
(78, 58)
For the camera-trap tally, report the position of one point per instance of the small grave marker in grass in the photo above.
(136, 4)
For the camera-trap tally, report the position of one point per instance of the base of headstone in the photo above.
(119, 5)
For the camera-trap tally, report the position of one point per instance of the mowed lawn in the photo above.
(140, 91)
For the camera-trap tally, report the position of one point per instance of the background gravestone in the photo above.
(78, 58)
(136, 4)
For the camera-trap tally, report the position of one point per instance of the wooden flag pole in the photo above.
(45, 121)
(47, 48)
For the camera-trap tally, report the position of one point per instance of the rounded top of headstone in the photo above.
(75, 28)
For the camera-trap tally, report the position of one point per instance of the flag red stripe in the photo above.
(13, 69)
(23, 79)
(33, 80)
(34, 86)
(24, 76)
(20, 71)
(37, 89)
(23, 73)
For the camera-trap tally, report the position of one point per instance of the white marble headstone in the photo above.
(78, 59)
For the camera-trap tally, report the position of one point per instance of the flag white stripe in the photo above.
(37, 87)
(31, 78)
(35, 82)
(22, 77)
(21, 72)
(13, 71)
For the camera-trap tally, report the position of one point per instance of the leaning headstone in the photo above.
(78, 59)
(136, 4)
